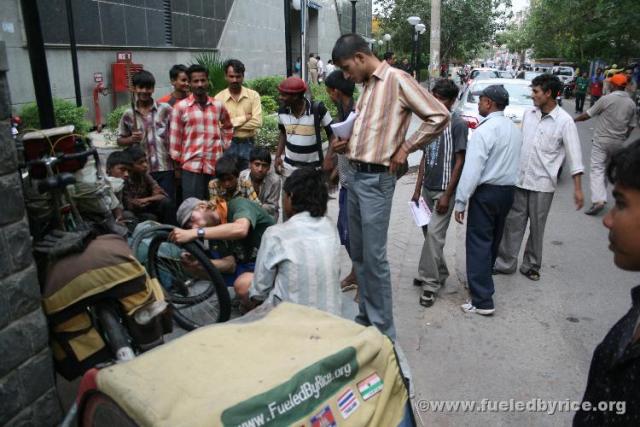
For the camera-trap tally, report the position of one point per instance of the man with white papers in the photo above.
(438, 177)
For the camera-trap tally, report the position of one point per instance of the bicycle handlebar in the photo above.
(55, 159)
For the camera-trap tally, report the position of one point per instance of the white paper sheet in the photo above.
(421, 212)
(343, 129)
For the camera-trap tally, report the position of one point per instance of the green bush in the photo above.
(214, 65)
(269, 105)
(113, 119)
(319, 93)
(265, 86)
(66, 112)
(269, 132)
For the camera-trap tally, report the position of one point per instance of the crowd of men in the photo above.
(191, 160)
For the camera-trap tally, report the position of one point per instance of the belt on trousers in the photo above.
(298, 164)
(368, 167)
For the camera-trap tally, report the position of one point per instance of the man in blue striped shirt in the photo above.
(487, 186)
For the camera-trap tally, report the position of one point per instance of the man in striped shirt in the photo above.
(200, 131)
(298, 134)
(376, 150)
(438, 177)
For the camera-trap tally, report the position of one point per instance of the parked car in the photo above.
(564, 73)
(519, 100)
(480, 73)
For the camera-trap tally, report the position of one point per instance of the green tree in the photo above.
(467, 26)
(581, 30)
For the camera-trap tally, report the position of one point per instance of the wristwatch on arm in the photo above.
(200, 234)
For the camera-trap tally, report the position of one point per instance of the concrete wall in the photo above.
(253, 33)
(27, 392)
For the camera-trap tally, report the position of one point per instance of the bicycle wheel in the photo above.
(197, 299)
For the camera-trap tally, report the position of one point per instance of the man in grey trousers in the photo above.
(438, 177)
(548, 134)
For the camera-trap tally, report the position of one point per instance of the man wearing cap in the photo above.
(549, 134)
(487, 186)
(617, 119)
(377, 150)
(299, 121)
(239, 220)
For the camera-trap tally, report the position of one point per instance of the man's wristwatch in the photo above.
(201, 234)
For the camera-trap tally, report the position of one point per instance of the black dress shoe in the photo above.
(595, 209)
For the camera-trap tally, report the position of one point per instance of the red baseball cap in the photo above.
(292, 85)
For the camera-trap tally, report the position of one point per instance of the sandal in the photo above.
(531, 274)
(427, 298)
(346, 286)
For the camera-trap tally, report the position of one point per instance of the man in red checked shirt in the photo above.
(201, 130)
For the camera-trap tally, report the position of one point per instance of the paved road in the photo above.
(540, 341)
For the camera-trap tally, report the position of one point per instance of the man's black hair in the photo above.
(348, 45)
(336, 80)
(260, 153)
(227, 165)
(548, 82)
(308, 191)
(624, 166)
(135, 153)
(445, 88)
(143, 78)
(388, 55)
(237, 66)
(311, 55)
(175, 71)
(118, 158)
(197, 68)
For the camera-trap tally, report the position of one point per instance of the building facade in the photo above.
(160, 33)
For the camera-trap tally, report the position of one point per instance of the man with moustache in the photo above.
(245, 109)
(548, 136)
(201, 130)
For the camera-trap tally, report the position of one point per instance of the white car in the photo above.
(519, 100)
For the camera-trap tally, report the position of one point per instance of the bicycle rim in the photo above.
(207, 300)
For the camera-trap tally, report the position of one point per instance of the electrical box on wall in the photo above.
(120, 78)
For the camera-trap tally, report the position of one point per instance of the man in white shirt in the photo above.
(548, 135)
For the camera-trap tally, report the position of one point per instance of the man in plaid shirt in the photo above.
(200, 131)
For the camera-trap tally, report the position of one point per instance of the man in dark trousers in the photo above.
(614, 376)
(487, 186)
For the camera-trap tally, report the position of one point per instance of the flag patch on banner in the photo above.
(347, 403)
(370, 386)
(323, 418)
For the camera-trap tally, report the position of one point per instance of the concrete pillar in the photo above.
(434, 50)
(27, 390)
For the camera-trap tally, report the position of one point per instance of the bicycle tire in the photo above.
(216, 282)
(143, 234)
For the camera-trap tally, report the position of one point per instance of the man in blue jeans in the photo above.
(376, 151)
(487, 186)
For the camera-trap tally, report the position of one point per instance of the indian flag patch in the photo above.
(370, 386)
(347, 403)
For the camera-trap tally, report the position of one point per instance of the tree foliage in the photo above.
(581, 30)
(467, 26)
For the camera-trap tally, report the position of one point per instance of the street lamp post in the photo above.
(413, 21)
(353, 16)
(387, 38)
(420, 29)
